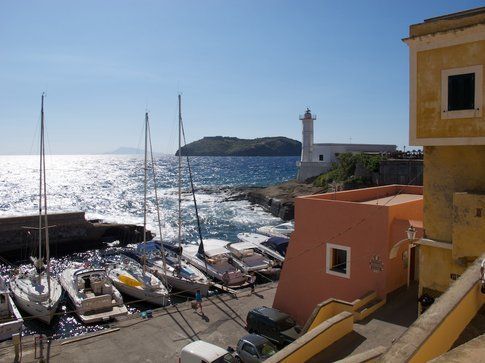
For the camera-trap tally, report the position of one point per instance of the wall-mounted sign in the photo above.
(376, 264)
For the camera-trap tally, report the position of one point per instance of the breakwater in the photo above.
(68, 232)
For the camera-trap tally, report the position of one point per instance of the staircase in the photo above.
(366, 305)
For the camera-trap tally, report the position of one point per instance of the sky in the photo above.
(244, 68)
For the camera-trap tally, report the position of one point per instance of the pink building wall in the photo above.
(368, 230)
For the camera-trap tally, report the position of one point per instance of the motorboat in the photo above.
(251, 258)
(273, 247)
(93, 295)
(166, 264)
(216, 261)
(132, 279)
(33, 288)
(10, 319)
(280, 230)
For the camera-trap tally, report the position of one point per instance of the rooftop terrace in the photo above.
(388, 195)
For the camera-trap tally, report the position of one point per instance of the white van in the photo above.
(203, 352)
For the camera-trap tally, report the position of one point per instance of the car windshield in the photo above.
(266, 350)
(226, 358)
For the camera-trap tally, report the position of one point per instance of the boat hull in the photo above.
(183, 285)
(143, 295)
(42, 311)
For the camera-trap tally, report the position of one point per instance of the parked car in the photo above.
(254, 348)
(273, 324)
(200, 351)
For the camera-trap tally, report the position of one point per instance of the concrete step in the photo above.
(364, 299)
(367, 309)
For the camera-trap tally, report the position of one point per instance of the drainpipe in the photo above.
(482, 277)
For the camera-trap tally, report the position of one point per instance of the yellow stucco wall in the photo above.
(450, 328)
(447, 170)
(430, 63)
(328, 310)
(436, 265)
(322, 339)
(468, 225)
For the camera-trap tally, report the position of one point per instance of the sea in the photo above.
(111, 188)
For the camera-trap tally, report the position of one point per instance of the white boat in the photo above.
(281, 230)
(177, 272)
(216, 261)
(265, 245)
(33, 288)
(251, 258)
(93, 295)
(10, 319)
(31, 291)
(130, 278)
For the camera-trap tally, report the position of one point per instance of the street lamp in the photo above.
(411, 232)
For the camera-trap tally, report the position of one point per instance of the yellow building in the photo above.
(447, 59)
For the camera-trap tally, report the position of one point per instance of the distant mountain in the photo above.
(233, 146)
(126, 151)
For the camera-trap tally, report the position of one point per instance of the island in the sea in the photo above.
(233, 146)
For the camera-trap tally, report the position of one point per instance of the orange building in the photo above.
(349, 243)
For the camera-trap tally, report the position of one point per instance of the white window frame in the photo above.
(477, 112)
(329, 254)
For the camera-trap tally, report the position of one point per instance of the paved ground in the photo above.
(380, 328)
(160, 338)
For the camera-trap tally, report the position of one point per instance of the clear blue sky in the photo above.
(245, 69)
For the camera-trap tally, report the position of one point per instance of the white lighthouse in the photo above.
(307, 136)
(319, 158)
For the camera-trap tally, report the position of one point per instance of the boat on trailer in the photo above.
(93, 295)
(10, 319)
(216, 261)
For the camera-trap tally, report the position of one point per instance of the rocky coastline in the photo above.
(279, 199)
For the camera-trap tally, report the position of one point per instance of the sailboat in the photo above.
(166, 264)
(127, 275)
(33, 288)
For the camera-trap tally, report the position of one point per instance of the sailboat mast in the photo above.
(180, 177)
(41, 146)
(46, 224)
(145, 196)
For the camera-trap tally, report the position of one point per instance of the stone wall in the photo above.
(401, 171)
(68, 232)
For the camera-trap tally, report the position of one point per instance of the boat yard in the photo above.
(156, 339)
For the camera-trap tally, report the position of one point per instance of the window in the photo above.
(250, 349)
(338, 260)
(320, 157)
(461, 92)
